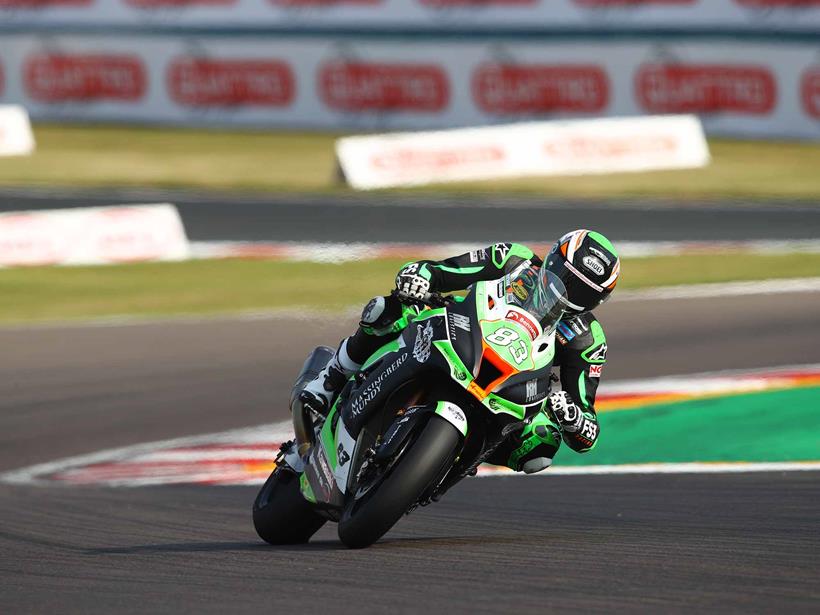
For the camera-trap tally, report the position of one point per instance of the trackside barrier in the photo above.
(360, 84)
(93, 236)
(16, 138)
(487, 15)
(534, 148)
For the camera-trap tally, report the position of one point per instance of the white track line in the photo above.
(260, 434)
(164, 460)
(681, 468)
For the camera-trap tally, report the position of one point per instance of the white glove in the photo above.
(412, 285)
(566, 412)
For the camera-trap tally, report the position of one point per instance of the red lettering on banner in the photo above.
(437, 3)
(321, 2)
(36, 4)
(600, 147)
(125, 237)
(510, 88)
(413, 160)
(204, 82)
(525, 322)
(598, 3)
(150, 4)
(56, 78)
(360, 86)
(810, 92)
(687, 88)
(28, 239)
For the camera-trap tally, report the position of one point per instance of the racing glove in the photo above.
(410, 284)
(565, 411)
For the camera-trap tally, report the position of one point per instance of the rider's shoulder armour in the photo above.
(583, 334)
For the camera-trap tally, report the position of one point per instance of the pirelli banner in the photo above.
(788, 15)
(736, 88)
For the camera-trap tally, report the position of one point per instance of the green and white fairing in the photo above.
(514, 346)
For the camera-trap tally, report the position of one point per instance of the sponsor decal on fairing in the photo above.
(528, 324)
(358, 404)
(460, 321)
(424, 340)
(453, 414)
(532, 389)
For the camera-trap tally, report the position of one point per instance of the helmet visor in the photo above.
(546, 298)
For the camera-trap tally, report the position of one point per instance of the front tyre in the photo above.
(281, 515)
(367, 519)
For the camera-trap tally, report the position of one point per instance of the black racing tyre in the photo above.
(366, 520)
(281, 515)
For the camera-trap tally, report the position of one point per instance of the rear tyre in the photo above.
(367, 519)
(281, 515)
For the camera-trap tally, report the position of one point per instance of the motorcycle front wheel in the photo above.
(368, 518)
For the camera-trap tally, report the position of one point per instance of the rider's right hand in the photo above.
(410, 284)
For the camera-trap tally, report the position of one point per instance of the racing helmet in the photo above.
(588, 265)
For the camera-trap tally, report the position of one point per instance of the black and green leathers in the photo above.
(580, 352)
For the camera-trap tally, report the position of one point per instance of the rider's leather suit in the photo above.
(580, 350)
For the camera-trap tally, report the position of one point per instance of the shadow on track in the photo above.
(318, 545)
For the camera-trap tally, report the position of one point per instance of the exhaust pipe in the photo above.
(302, 422)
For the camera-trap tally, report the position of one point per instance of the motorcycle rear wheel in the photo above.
(281, 515)
(367, 519)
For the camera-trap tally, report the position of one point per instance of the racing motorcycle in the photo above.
(471, 367)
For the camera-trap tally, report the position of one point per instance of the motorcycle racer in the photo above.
(588, 266)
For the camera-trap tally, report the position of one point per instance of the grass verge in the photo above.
(224, 286)
(106, 156)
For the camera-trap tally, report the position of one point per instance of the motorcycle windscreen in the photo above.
(542, 294)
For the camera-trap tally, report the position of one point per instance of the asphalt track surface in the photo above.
(435, 218)
(733, 543)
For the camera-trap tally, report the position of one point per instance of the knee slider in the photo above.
(538, 446)
(373, 311)
(536, 465)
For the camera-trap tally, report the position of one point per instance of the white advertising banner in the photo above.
(16, 138)
(92, 236)
(536, 148)
(736, 88)
(489, 15)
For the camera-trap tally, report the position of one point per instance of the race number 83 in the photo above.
(507, 337)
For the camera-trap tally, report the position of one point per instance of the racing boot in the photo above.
(320, 393)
